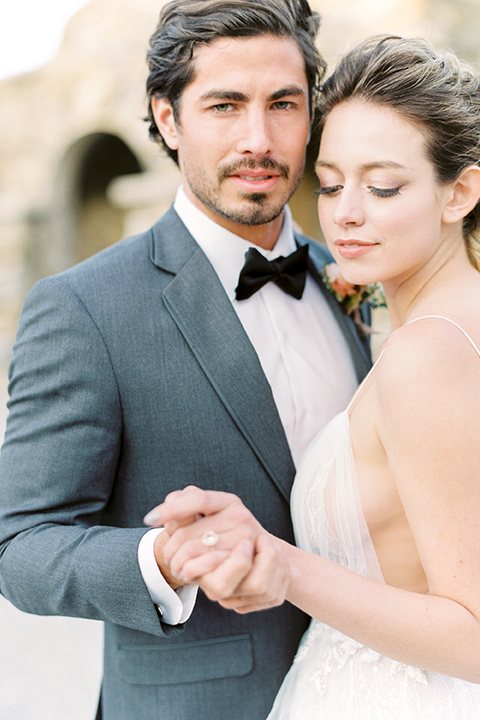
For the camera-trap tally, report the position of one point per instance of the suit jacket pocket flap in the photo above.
(175, 663)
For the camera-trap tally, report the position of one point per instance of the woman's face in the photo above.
(380, 206)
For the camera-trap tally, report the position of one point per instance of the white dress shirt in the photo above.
(302, 351)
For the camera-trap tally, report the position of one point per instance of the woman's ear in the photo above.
(465, 193)
(165, 121)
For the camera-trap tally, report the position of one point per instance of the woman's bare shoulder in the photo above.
(421, 355)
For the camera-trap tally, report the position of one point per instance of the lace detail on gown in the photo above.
(334, 677)
(340, 650)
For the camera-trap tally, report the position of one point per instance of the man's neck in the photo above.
(264, 236)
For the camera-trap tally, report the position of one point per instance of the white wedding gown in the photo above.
(334, 677)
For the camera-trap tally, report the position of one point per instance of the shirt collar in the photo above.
(225, 250)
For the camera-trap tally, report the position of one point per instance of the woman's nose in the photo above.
(348, 210)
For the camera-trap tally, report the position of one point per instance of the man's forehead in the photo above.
(228, 42)
(235, 60)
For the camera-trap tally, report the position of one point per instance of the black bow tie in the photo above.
(289, 273)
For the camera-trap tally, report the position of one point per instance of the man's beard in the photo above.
(258, 208)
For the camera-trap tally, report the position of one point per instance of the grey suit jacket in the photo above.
(131, 377)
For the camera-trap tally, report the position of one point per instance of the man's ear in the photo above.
(465, 193)
(165, 121)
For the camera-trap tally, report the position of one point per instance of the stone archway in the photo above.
(81, 219)
(99, 222)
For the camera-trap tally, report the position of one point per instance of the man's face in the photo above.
(242, 130)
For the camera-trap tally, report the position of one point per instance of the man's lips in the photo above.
(253, 178)
(252, 181)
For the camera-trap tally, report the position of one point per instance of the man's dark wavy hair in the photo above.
(185, 24)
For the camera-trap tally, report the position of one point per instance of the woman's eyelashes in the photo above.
(385, 192)
(378, 192)
(328, 190)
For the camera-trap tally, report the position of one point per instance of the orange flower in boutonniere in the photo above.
(350, 296)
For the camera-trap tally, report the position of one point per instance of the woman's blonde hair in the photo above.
(433, 89)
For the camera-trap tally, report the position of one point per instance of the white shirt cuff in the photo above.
(175, 606)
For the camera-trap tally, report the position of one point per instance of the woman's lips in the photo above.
(352, 248)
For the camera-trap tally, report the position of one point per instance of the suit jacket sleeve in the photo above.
(57, 471)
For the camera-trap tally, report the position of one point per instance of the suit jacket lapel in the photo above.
(204, 315)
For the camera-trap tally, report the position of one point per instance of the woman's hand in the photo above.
(246, 579)
(264, 587)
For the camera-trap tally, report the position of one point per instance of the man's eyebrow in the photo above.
(224, 95)
(235, 96)
(289, 91)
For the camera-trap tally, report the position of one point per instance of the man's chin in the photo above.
(255, 211)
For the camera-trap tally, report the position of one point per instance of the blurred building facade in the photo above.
(77, 170)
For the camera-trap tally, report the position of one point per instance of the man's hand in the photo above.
(160, 542)
(245, 570)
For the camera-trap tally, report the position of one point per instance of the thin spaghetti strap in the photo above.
(355, 395)
(423, 317)
(452, 322)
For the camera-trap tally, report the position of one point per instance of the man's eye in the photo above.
(223, 107)
(282, 105)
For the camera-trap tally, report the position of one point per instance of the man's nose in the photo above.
(255, 136)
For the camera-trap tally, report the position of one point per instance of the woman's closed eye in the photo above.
(385, 192)
(378, 192)
(328, 190)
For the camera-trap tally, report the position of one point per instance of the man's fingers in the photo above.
(161, 515)
(194, 569)
(192, 501)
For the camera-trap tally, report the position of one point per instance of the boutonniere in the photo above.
(350, 296)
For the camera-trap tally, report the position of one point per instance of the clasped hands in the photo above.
(245, 570)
